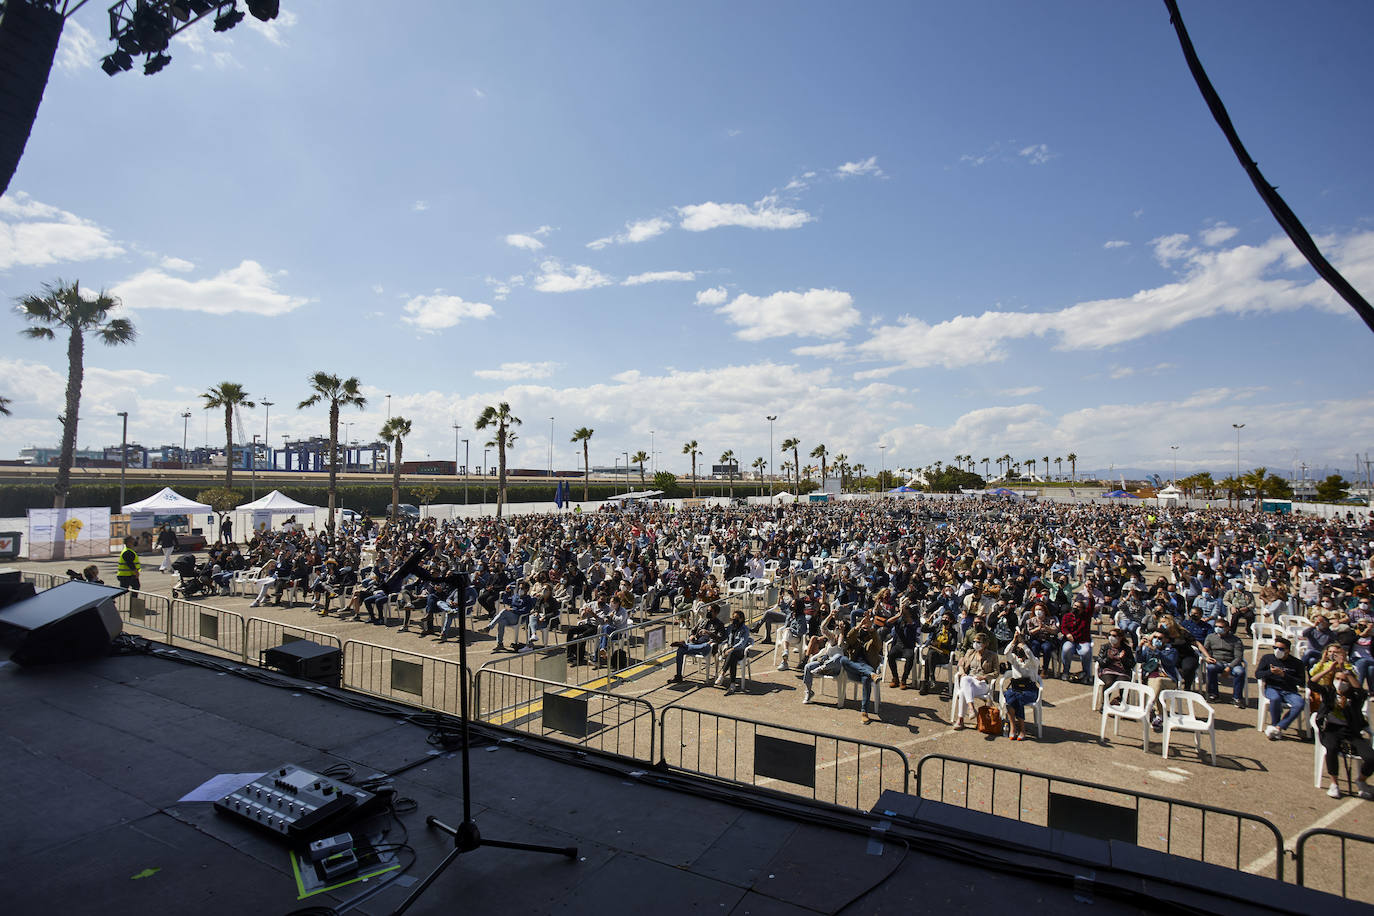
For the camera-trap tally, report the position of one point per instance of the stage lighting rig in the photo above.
(156, 63)
(228, 19)
(147, 26)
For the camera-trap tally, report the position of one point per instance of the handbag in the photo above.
(990, 720)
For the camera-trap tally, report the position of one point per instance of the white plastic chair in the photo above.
(1134, 705)
(1265, 634)
(1039, 707)
(1181, 714)
(1263, 705)
(738, 586)
(1319, 750)
(1295, 620)
(784, 643)
(843, 683)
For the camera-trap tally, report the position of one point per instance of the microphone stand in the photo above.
(466, 836)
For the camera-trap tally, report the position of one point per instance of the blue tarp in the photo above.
(1003, 491)
(1119, 494)
(902, 490)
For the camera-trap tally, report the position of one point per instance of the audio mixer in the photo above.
(293, 802)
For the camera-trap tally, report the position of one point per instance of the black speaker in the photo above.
(28, 40)
(74, 620)
(306, 660)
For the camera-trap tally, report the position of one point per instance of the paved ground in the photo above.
(1253, 775)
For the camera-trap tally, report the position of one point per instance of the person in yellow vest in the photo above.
(129, 566)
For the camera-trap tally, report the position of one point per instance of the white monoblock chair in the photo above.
(1133, 705)
(1038, 708)
(1295, 620)
(1099, 686)
(843, 683)
(1181, 708)
(1265, 634)
(783, 646)
(1319, 751)
(1263, 708)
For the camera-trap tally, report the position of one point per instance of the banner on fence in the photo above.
(62, 534)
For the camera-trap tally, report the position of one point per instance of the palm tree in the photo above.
(229, 395)
(1046, 460)
(985, 467)
(639, 458)
(758, 465)
(690, 448)
(394, 432)
(335, 392)
(727, 457)
(1031, 462)
(584, 435)
(794, 444)
(1059, 466)
(821, 452)
(501, 418)
(5, 408)
(1254, 480)
(842, 462)
(65, 307)
(1072, 458)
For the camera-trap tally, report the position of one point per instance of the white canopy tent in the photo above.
(276, 501)
(166, 502)
(262, 514)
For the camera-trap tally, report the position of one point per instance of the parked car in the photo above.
(408, 510)
(348, 515)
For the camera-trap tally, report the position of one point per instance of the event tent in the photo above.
(166, 502)
(1003, 491)
(1119, 494)
(276, 501)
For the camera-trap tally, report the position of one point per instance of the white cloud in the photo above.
(500, 289)
(478, 93)
(180, 265)
(247, 288)
(1025, 391)
(1119, 372)
(637, 231)
(764, 214)
(659, 276)
(34, 234)
(553, 278)
(510, 372)
(814, 313)
(272, 30)
(527, 242)
(716, 295)
(436, 312)
(378, 288)
(1218, 234)
(1036, 154)
(420, 206)
(882, 372)
(1243, 280)
(823, 351)
(78, 49)
(1115, 243)
(867, 166)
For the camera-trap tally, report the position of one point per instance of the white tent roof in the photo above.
(167, 502)
(276, 501)
(642, 494)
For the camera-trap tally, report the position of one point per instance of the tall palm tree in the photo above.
(500, 417)
(1254, 480)
(584, 435)
(794, 445)
(841, 461)
(63, 306)
(229, 395)
(639, 458)
(690, 448)
(1006, 460)
(336, 392)
(1059, 466)
(394, 432)
(758, 465)
(985, 467)
(822, 453)
(1046, 460)
(5, 407)
(727, 457)
(1031, 462)
(1072, 459)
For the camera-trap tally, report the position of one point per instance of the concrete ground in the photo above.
(1252, 775)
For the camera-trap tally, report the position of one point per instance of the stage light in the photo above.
(109, 66)
(129, 44)
(264, 9)
(156, 63)
(226, 21)
(152, 28)
(180, 9)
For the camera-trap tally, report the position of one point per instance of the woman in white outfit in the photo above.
(977, 669)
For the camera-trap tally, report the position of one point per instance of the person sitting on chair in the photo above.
(1341, 722)
(1282, 677)
(701, 641)
(733, 647)
(792, 633)
(1222, 650)
(1242, 606)
(905, 634)
(545, 615)
(1116, 658)
(1022, 685)
(825, 661)
(1075, 626)
(1158, 660)
(939, 646)
(977, 669)
(863, 653)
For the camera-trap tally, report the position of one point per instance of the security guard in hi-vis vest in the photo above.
(129, 566)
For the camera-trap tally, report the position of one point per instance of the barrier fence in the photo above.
(39, 580)
(841, 771)
(1327, 869)
(401, 676)
(597, 719)
(1194, 831)
(261, 634)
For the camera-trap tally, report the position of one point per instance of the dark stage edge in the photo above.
(96, 754)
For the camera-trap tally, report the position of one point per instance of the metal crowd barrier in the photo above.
(579, 661)
(847, 772)
(261, 634)
(1193, 831)
(1329, 868)
(596, 719)
(40, 581)
(401, 676)
(207, 627)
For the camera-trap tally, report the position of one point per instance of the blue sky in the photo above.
(940, 228)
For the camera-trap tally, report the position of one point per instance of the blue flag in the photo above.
(558, 494)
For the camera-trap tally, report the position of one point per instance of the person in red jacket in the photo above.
(1075, 626)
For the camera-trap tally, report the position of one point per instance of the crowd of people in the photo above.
(974, 597)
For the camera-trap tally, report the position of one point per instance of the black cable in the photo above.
(1286, 218)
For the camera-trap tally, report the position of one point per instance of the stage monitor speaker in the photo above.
(29, 33)
(74, 620)
(13, 588)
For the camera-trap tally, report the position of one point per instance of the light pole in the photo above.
(1174, 482)
(466, 472)
(626, 453)
(770, 456)
(1238, 427)
(185, 424)
(388, 445)
(254, 474)
(550, 448)
(653, 462)
(123, 455)
(484, 479)
(267, 428)
(882, 466)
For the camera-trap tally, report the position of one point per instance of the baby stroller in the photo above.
(195, 580)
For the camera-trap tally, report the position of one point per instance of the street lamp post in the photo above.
(653, 462)
(254, 460)
(185, 424)
(1174, 482)
(123, 455)
(550, 448)
(456, 427)
(467, 471)
(388, 445)
(882, 466)
(1238, 427)
(267, 428)
(484, 479)
(626, 453)
(771, 418)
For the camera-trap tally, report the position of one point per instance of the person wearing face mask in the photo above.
(1318, 637)
(1023, 686)
(1282, 677)
(1042, 635)
(1222, 650)
(1116, 658)
(1158, 660)
(1341, 722)
(977, 669)
(863, 652)
(1333, 662)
